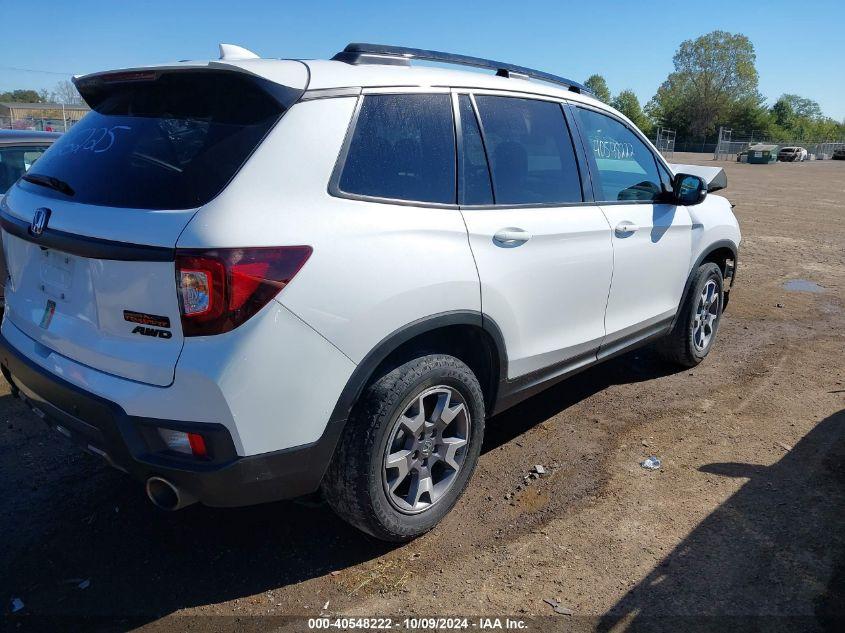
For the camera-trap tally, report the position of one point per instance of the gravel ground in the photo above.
(742, 524)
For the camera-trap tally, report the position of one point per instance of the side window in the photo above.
(14, 161)
(32, 155)
(474, 174)
(531, 153)
(403, 148)
(624, 165)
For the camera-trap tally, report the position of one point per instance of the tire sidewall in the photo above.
(706, 273)
(414, 524)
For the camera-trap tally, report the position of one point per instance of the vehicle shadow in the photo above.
(636, 366)
(67, 519)
(770, 558)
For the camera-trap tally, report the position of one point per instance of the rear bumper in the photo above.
(128, 443)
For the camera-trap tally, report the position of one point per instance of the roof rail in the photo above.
(401, 56)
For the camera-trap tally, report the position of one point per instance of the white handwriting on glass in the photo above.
(612, 149)
(96, 140)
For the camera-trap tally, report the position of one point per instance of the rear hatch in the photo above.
(89, 234)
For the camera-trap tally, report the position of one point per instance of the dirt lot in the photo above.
(744, 521)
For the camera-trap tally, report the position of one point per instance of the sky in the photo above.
(799, 45)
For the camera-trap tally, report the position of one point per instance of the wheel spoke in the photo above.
(452, 445)
(440, 406)
(401, 462)
(414, 424)
(448, 415)
(419, 487)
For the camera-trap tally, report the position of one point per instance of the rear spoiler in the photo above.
(715, 177)
(281, 78)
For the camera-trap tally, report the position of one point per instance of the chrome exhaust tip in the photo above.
(166, 495)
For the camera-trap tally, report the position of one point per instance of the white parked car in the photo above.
(792, 154)
(247, 279)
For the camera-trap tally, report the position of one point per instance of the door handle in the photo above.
(626, 228)
(511, 237)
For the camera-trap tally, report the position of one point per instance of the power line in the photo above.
(34, 70)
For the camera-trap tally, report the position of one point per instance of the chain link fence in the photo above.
(42, 124)
(665, 141)
(731, 142)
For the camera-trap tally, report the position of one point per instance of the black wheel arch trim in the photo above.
(711, 248)
(366, 369)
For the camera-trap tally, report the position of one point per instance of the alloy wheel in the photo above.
(706, 315)
(426, 449)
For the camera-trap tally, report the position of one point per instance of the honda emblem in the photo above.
(39, 221)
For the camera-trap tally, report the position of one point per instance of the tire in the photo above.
(683, 345)
(358, 482)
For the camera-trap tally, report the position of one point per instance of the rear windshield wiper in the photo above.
(49, 181)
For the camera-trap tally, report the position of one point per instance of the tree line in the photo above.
(715, 84)
(63, 92)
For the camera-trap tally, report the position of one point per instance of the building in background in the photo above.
(48, 117)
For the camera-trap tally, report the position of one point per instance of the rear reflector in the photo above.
(182, 442)
(220, 289)
(197, 445)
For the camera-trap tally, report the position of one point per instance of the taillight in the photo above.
(220, 289)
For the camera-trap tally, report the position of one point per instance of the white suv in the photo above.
(246, 279)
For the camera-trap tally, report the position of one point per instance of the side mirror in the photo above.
(688, 189)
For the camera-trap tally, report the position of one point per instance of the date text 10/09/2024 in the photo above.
(418, 623)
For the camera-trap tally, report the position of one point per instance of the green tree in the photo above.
(598, 86)
(803, 107)
(21, 96)
(750, 115)
(799, 118)
(628, 104)
(783, 113)
(713, 73)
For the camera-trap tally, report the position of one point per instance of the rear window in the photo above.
(172, 142)
(403, 148)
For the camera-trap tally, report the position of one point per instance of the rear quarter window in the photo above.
(172, 142)
(402, 148)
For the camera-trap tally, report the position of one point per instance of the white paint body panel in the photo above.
(90, 296)
(375, 267)
(135, 226)
(212, 382)
(547, 295)
(713, 221)
(650, 265)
